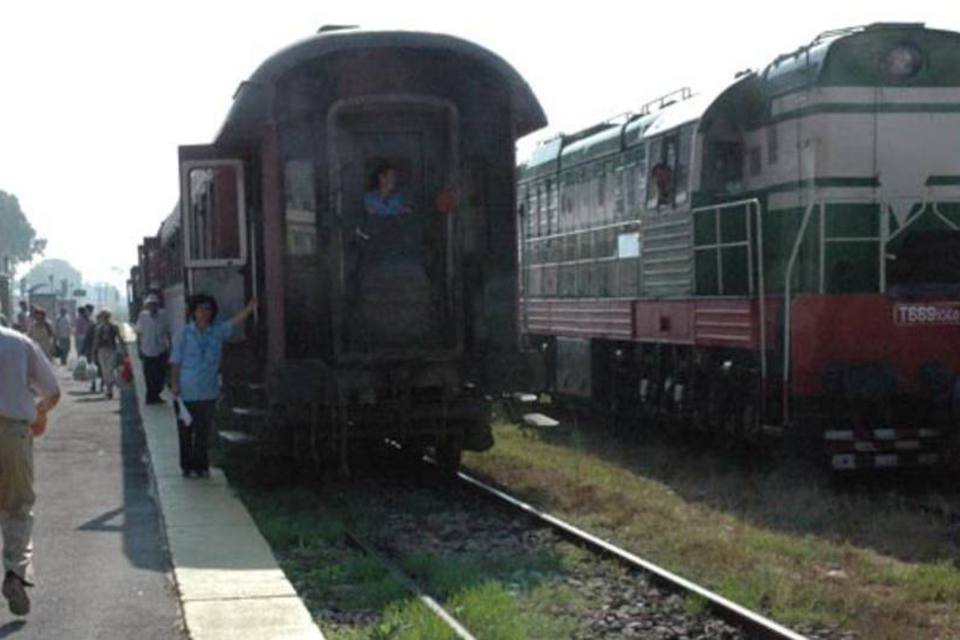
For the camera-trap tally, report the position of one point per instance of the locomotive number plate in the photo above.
(927, 314)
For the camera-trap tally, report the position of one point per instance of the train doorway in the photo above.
(391, 160)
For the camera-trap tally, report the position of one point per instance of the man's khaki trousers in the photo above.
(16, 495)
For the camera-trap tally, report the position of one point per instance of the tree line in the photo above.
(18, 238)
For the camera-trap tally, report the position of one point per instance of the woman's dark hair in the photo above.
(198, 299)
(380, 168)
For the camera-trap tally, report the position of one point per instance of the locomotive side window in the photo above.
(640, 177)
(620, 208)
(548, 212)
(681, 164)
(656, 196)
(213, 208)
(629, 176)
(773, 144)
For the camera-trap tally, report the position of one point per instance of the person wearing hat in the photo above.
(106, 344)
(153, 338)
(41, 331)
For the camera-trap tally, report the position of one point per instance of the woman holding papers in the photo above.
(195, 357)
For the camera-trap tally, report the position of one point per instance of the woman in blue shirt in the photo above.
(195, 358)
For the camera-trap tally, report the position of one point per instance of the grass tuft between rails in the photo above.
(775, 538)
(355, 597)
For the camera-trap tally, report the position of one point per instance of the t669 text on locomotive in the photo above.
(362, 187)
(783, 256)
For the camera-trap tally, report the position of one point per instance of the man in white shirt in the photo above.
(153, 338)
(25, 375)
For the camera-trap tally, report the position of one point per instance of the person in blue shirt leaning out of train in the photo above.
(195, 380)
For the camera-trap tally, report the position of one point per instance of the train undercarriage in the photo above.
(860, 422)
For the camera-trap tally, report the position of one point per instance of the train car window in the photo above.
(850, 244)
(301, 208)
(545, 221)
(213, 200)
(600, 178)
(630, 188)
(773, 144)
(756, 161)
(640, 175)
(655, 162)
(584, 201)
(620, 196)
(533, 212)
(681, 165)
(563, 187)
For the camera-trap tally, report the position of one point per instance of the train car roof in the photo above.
(253, 101)
(169, 225)
(817, 63)
(608, 137)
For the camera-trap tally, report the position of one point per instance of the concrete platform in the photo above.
(229, 583)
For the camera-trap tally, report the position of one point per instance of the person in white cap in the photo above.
(153, 340)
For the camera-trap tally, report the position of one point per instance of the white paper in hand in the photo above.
(182, 414)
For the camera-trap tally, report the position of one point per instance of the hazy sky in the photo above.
(96, 96)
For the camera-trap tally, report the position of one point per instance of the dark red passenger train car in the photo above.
(369, 325)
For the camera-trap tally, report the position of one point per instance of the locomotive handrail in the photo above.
(786, 307)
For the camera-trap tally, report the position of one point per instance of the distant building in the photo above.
(105, 295)
(53, 276)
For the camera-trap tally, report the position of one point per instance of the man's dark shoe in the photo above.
(14, 590)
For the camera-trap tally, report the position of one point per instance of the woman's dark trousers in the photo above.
(154, 374)
(195, 438)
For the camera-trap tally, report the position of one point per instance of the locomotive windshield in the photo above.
(926, 264)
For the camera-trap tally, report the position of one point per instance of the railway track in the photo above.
(455, 626)
(750, 623)
(756, 625)
(461, 526)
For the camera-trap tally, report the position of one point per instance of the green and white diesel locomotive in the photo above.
(782, 257)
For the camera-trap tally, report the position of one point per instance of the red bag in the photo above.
(126, 373)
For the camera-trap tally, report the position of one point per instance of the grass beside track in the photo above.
(779, 539)
(354, 597)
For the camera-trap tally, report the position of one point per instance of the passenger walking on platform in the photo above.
(87, 350)
(41, 331)
(62, 329)
(106, 346)
(22, 323)
(153, 334)
(25, 374)
(81, 325)
(195, 379)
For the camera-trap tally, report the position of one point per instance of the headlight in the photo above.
(902, 62)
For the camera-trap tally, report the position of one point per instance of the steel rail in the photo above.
(755, 624)
(455, 625)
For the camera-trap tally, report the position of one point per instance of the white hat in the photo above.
(154, 298)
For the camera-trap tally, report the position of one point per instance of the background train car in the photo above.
(369, 326)
(783, 256)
